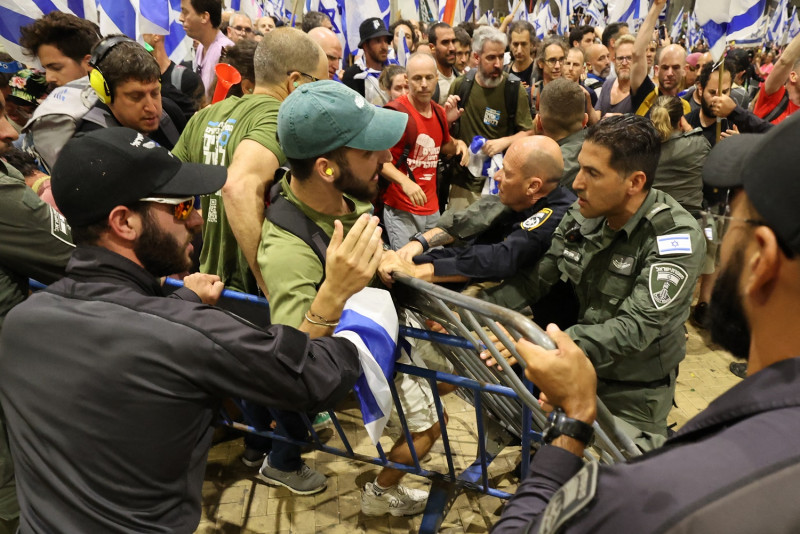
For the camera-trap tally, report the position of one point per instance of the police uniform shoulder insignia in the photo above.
(665, 283)
(658, 207)
(537, 219)
(570, 499)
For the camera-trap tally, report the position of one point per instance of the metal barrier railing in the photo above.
(504, 403)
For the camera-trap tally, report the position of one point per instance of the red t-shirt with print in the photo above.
(422, 160)
(767, 103)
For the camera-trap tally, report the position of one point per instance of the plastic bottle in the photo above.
(476, 157)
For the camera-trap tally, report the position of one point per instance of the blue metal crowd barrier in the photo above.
(505, 407)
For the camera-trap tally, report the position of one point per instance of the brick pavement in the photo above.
(233, 501)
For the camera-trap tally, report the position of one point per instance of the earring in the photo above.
(329, 171)
(296, 85)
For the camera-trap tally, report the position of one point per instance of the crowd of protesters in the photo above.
(589, 177)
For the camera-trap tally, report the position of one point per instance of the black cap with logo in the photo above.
(372, 28)
(105, 168)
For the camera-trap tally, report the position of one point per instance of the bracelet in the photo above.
(323, 322)
(421, 240)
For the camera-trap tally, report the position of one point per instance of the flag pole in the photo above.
(514, 12)
(719, 92)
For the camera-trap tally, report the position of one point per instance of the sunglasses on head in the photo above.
(182, 206)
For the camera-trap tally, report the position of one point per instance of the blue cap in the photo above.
(320, 117)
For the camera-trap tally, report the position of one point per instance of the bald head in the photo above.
(598, 60)
(330, 45)
(671, 62)
(532, 168)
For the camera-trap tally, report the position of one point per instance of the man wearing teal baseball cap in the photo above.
(336, 143)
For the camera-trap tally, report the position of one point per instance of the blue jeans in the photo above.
(282, 455)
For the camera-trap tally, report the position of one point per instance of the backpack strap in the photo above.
(411, 136)
(286, 215)
(512, 98)
(778, 110)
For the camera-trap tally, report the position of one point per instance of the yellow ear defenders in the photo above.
(96, 78)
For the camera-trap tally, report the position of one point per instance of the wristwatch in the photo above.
(558, 424)
(422, 241)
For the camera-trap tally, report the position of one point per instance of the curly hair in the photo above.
(73, 36)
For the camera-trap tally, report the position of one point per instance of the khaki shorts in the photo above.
(416, 398)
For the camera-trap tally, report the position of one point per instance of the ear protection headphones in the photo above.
(96, 78)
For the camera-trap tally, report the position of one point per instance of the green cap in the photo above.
(322, 116)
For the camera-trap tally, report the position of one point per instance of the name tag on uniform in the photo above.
(572, 255)
(570, 499)
(621, 264)
(674, 244)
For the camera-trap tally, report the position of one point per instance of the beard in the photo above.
(159, 252)
(488, 82)
(706, 107)
(727, 321)
(348, 184)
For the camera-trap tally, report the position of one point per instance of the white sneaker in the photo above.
(398, 501)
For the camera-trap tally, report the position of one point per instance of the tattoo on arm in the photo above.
(440, 238)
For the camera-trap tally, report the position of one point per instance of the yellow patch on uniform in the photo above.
(536, 220)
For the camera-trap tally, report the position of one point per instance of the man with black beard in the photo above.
(336, 142)
(108, 387)
(734, 467)
(716, 102)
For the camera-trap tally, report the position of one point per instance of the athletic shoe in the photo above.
(398, 500)
(252, 457)
(304, 481)
(322, 420)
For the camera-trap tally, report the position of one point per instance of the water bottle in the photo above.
(476, 157)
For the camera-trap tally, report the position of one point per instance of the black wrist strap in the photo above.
(422, 241)
(558, 424)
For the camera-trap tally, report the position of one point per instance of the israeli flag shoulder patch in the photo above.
(674, 244)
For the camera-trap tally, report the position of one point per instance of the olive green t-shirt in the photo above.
(211, 137)
(291, 269)
(486, 114)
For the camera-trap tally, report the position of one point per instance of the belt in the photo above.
(661, 382)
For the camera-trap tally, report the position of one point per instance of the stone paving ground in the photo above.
(234, 501)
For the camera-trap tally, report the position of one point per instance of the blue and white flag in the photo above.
(369, 321)
(630, 11)
(544, 21)
(596, 10)
(693, 34)
(794, 25)
(728, 20)
(356, 12)
(177, 44)
(335, 11)
(677, 26)
(522, 11)
(133, 17)
(403, 52)
(14, 14)
(778, 24)
(565, 9)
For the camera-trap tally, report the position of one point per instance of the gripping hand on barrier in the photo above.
(565, 375)
(207, 286)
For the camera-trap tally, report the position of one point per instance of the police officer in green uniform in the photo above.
(35, 243)
(632, 254)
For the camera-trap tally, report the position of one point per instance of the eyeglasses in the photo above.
(301, 73)
(244, 29)
(182, 206)
(553, 60)
(624, 59)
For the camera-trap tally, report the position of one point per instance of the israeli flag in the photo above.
(402, 52)
(14, 14)
(544, 20)
(565, 9)
(596, 10)
(677, 26)
(369, 321)
(522, 11)
(726, 20)
(177, 44)
(470, 10)
(794, 27)
(134, 17)
(778, 24)
(630, 11)
(334, 9)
